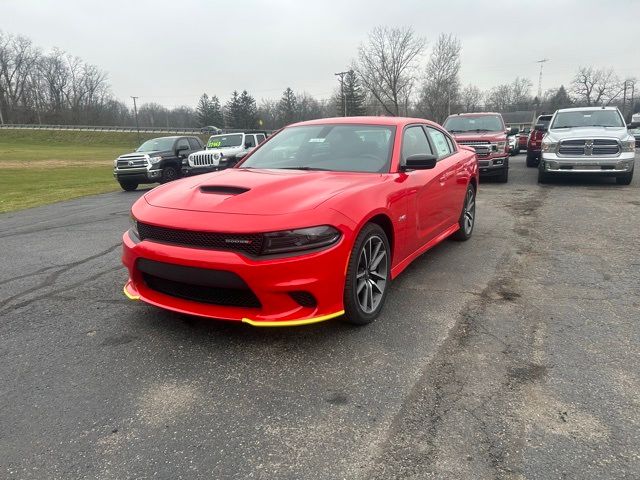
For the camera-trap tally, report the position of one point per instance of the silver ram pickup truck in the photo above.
(588, 141)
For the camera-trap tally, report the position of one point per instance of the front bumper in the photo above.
(188, 170)
(553, 163)
(320, 274)
(493, 165)
(137, 175)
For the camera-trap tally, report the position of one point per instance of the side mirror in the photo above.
(181, 149)
(420, 161)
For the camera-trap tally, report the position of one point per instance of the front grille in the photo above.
(228, 297)
(204, 159)
(304, 299)
(586, 147)
(132, 162)
(250, 243)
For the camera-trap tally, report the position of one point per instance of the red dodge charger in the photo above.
(313, 224)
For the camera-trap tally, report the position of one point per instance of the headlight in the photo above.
(134, 225)
(629, 145)
(299, 240)
(549, 146)
(154, 160)
(500, 146)
(115, 163)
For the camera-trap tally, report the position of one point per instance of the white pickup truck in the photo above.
(222, 151)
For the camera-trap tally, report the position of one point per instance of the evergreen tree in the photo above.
(204, 111)
(288, 107)
(217, 118)
(560, 99)
(354, 97)
(232, 111)
(248, 111)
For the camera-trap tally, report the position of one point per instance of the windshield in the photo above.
(588, 118)
(475, 123)
(341, 148)
(157, 145)
(223, 141)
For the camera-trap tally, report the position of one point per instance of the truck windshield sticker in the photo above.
(215, 144)
(316, 140)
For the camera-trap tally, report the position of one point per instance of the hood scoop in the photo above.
(223, 189)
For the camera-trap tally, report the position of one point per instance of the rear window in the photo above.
(475, 123)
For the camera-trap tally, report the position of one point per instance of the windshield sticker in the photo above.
(215, 144)
(316, 140)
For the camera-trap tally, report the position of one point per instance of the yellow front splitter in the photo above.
(292, 323)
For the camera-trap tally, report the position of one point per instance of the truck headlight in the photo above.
(629, 145)
(549, 146)
(115, 163)
(154, 160)
(300, 239)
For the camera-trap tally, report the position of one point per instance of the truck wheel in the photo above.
(625, 178)
(128, 186)
(504, 176)
(543, 177)
(169, 174)
(532, 161)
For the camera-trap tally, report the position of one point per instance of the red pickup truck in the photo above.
(534, 144)
(487, 134)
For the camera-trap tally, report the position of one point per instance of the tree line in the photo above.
(393, 73)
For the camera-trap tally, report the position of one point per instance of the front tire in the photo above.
(368, 276)
(467, 218)
(543, 177)
(532, 161)
(169, 174)
(625, 178)
(128, 186)
(504, 176)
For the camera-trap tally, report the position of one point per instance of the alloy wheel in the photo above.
(469, 214)
(372, 272)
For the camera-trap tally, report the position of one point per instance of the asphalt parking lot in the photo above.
(515, 355)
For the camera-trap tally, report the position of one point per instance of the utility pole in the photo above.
(541, 62)
(344, 99)
(135, 111)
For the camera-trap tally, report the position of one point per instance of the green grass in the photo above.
(38, 167)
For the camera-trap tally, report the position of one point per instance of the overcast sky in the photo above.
(172, 52)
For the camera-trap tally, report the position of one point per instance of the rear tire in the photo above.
(128, 186)
(368, 276)
(625, 178)
(532, 161)
(467, 218)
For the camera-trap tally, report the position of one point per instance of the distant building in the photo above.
(522, 119)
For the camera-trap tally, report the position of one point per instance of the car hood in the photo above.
(257, 192)
(480, 136)
(150, 153)
(589, 132)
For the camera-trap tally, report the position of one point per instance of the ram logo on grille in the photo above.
(588, 147)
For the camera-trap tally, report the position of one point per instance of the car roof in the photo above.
(586, 109)
(473, 114)
(370, 120)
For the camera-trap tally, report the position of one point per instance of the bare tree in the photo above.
(596, 86)
(499, 97)
(521, 92)
(387, 65)
(471, 98)
(17, 59)
(441, 87)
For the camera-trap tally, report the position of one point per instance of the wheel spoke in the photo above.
(375, 286)
(378, 275)
(361, 285)
(377, 260)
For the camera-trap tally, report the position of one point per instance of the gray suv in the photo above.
(588, 141)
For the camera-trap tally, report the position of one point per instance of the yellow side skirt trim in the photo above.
(129, 296)
(292, 323)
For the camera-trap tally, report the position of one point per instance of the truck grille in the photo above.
(134, 161)
(250, 243)
(204, 159)
(585, 147)
(228, 297)
(483, 149)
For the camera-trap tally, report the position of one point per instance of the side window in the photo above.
(249, 141)
(450, 142)
(414, 142)
(260, 138)
(182, 142)
(195, 145)
(440, 142)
